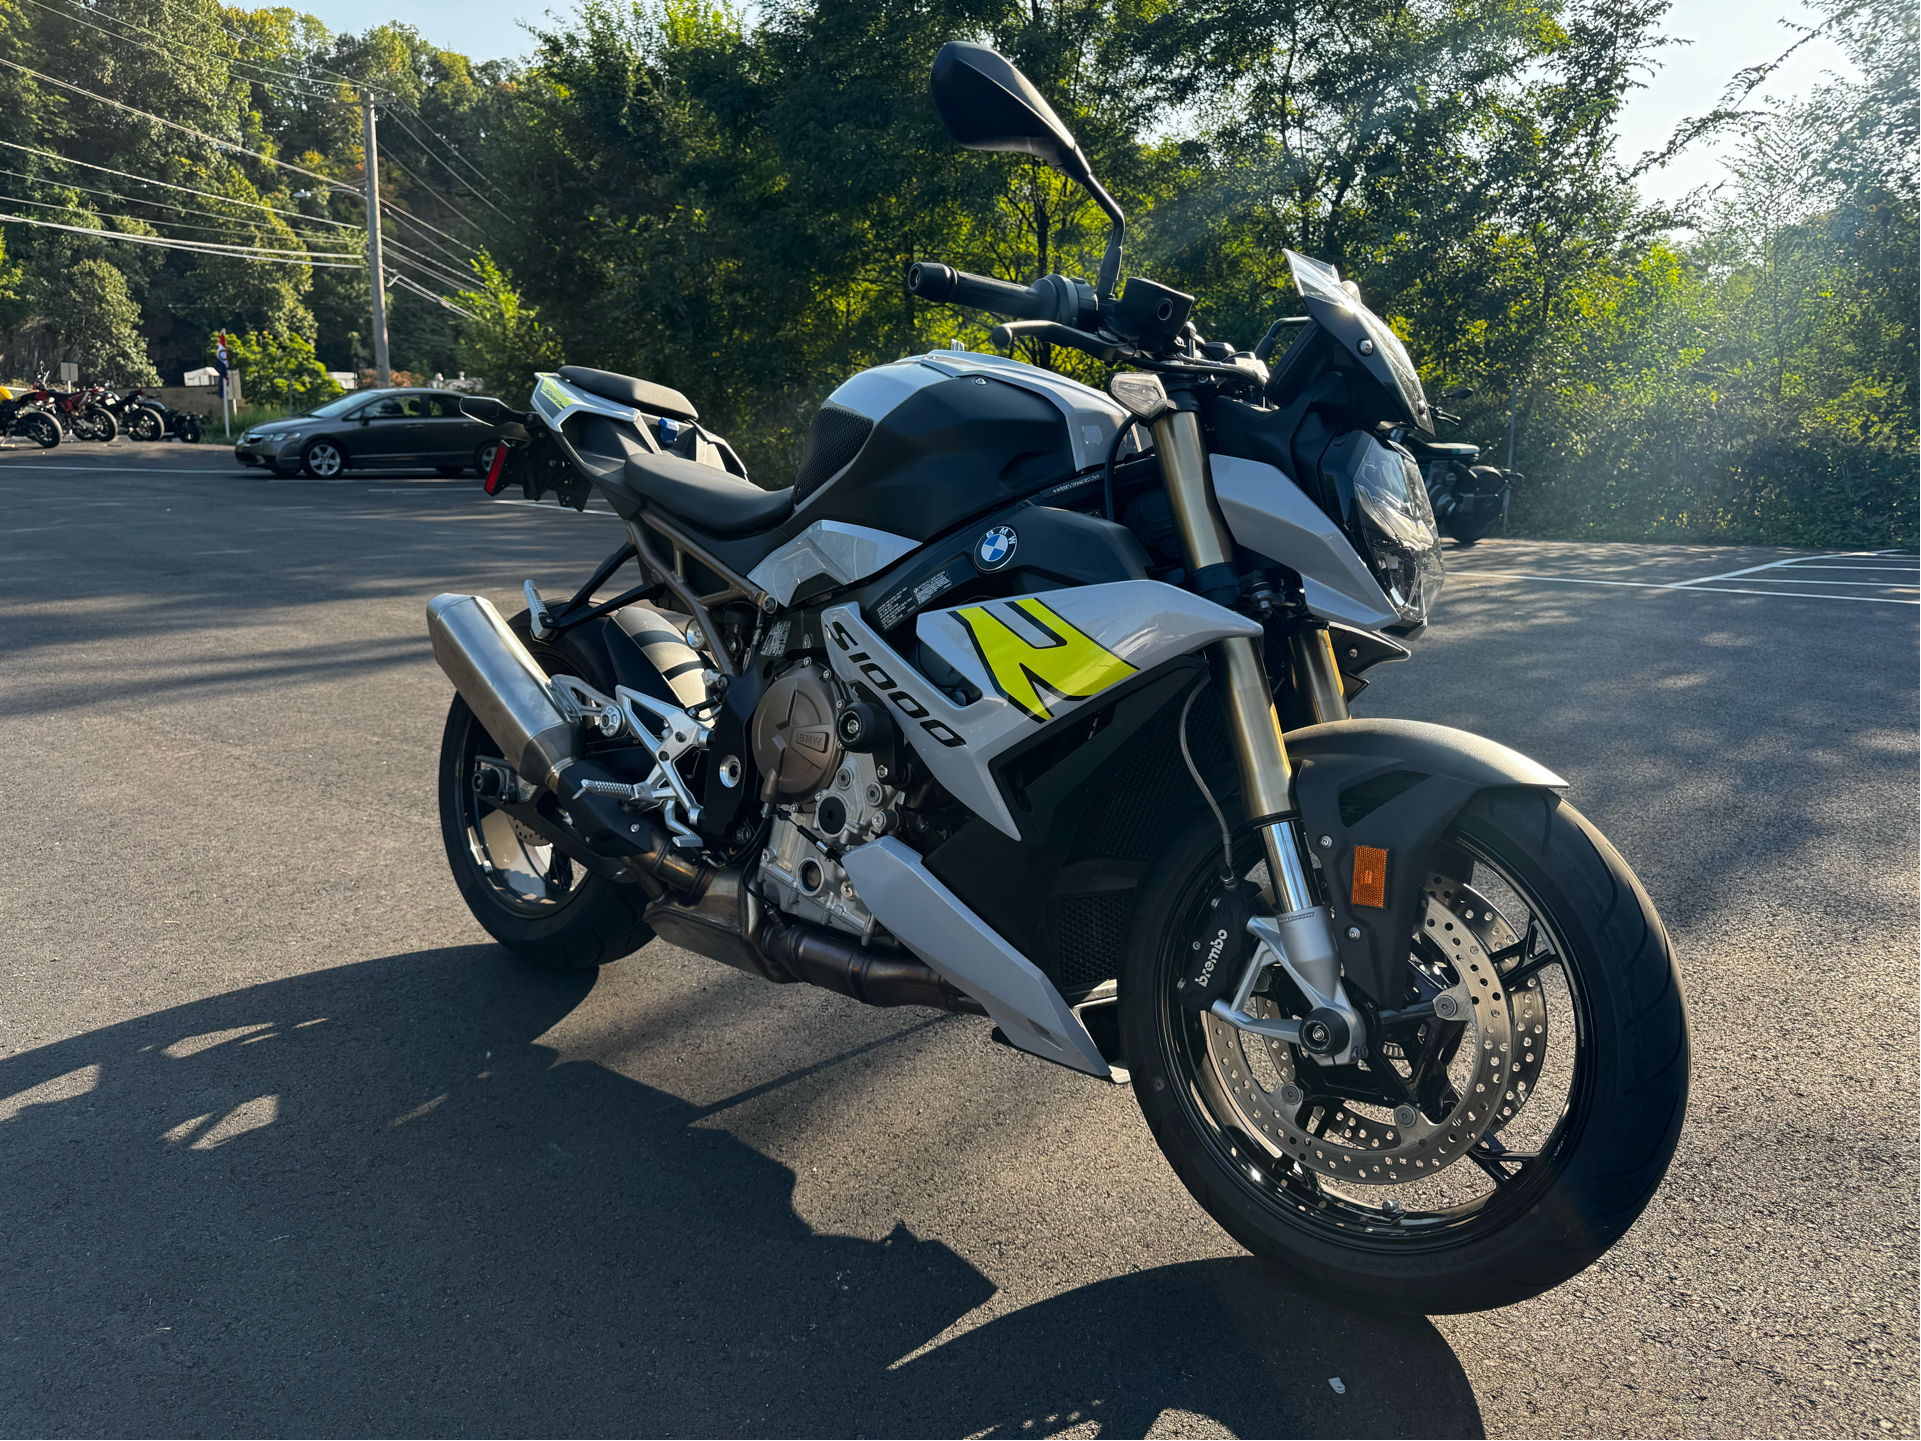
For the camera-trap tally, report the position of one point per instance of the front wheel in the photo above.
(323, 459)
(1511, 1145)
(144, 425)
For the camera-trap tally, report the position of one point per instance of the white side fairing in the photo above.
(1269, 514)
(833, 548)
(1032, 658)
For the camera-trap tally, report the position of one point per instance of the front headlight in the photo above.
(1403, 542)
(288, 436)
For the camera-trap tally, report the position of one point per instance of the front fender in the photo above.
(1394, 786)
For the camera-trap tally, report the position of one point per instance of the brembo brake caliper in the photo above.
(679, 733)
(1220, 982)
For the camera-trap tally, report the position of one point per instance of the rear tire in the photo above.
(1598, 1159)
(585, 921)
(144, 425)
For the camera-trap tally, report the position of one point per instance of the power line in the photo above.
(137, 40)
(176, 125)
(184, 189)
(408, 215)
(452, 149)
(460, 261)
(178, 224)
(440, 300)
(230, 252)
(400, 169)
(428, 265)
(140, 200)
(393, 114)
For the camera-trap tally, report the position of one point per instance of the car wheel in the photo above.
(484, 458)
(323, 459)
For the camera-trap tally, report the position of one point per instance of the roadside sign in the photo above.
(69, 372)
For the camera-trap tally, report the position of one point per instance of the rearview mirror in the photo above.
(987, 104)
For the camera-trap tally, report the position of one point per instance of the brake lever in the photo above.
(1005, 334)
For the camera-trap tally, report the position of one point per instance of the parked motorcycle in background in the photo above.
(26, 417)
(1030, 701)
(138, 416)
(79, 413)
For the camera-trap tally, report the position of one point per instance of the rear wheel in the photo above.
(1512, 1145)
(527, 894)
(144, 425)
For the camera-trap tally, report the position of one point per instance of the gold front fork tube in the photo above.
(1247, 700)
(1317, 675)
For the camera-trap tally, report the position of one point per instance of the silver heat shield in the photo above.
(505, 687)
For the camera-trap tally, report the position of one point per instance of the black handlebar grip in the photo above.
(931, 280)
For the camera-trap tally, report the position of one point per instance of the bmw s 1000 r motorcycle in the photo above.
(1032, 703)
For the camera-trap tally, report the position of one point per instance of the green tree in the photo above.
(94, 322)
(279, 367)
(504, 343)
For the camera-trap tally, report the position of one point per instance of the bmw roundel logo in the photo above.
(997, 547)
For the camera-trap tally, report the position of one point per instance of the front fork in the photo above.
(1304, 944)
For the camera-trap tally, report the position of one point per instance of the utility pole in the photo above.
(1513, 399)
(376, 276)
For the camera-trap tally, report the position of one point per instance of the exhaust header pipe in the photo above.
(504, 686)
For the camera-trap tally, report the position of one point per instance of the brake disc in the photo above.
(1272, 1085)
(1527, 1013)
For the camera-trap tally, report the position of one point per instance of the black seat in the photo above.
(706, 495)
(629, 390)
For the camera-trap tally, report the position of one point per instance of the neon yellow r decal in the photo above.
(1071, 664)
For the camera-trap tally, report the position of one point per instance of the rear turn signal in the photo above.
(1370, 876)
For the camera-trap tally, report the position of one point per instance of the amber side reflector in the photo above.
(1370, 876)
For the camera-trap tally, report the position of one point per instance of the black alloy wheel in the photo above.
(39, 427)
(1516, 1124)
(144, 425)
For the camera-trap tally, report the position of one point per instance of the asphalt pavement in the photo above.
(287, 1146)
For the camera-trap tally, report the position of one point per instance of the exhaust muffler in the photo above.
(538, 733)
(504, 686)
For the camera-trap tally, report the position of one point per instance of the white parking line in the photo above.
(1691, 586)
(1793, 560)
(559, 509)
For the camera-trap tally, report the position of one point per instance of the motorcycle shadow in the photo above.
(365, 1201)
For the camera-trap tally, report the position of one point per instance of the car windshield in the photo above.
(337, 407)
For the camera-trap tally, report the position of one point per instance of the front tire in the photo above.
(323, 459)
(144, 425)
(1559, 1175)
(42, 429)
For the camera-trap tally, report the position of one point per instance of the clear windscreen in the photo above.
(1317, 280)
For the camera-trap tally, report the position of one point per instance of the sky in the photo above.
(1726, 36)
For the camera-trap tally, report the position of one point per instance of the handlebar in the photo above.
(930, 280)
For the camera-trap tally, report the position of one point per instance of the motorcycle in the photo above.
(138, 415)
(1031, 702)
(1468, 500)
(77, 411)
(24, 416)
